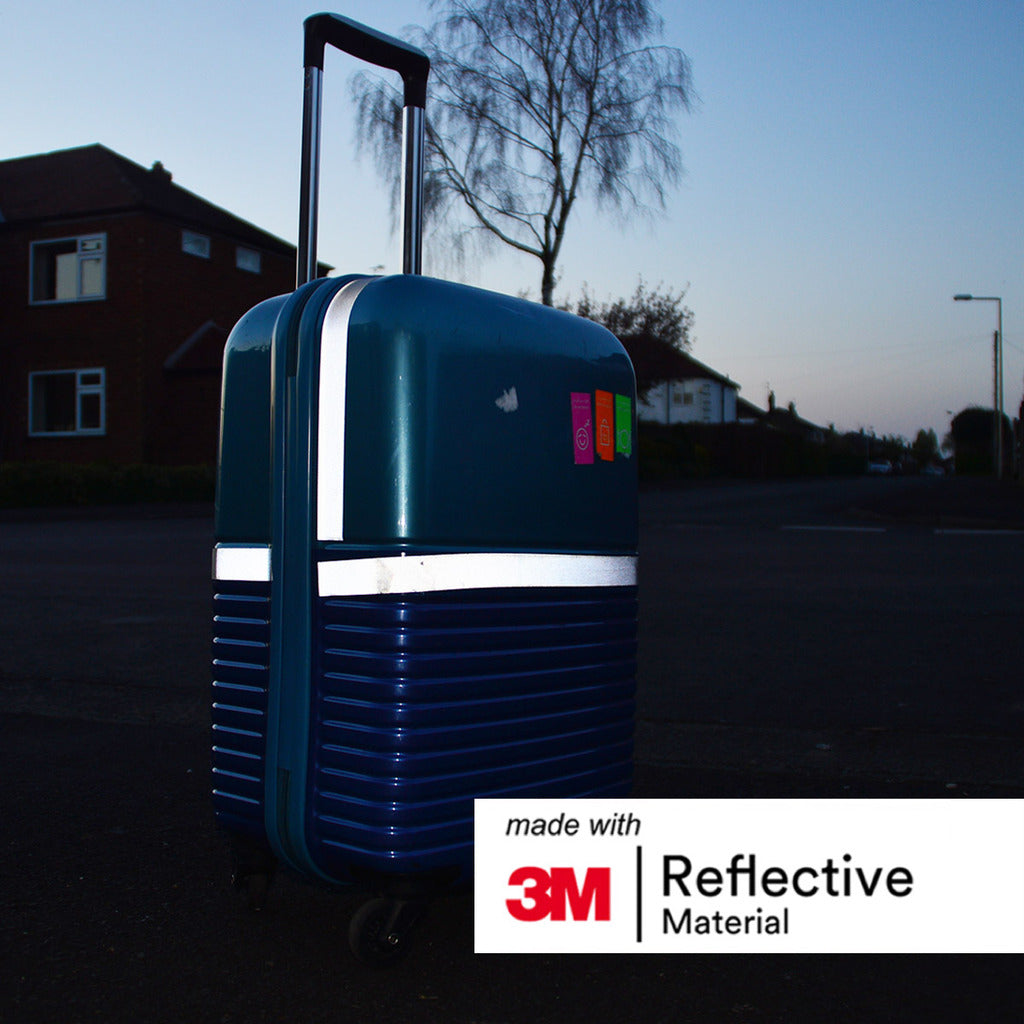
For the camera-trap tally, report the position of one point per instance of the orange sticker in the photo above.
(605, 425)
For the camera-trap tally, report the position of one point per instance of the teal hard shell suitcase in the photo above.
(425, 561)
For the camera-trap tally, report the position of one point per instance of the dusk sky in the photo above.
(849, 167)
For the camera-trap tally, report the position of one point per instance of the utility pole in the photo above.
(997, 429)
(997, 376)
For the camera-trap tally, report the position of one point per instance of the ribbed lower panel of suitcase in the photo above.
(241, 668)
(423, 702)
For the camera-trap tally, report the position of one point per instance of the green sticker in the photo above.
(624, 425)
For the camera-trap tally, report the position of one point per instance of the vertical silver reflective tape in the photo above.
(330, 443)
(248, 563)
(309, 183)
(413, 131)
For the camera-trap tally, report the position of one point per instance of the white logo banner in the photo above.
(749, 876)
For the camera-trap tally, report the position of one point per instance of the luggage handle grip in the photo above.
(383, 51)
(371, 46)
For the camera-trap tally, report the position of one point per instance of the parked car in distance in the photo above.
(879, 467)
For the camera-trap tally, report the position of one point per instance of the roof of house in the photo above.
(788, 420)
(696, 370)
(93, 180)
(657, 361)
(748, 411)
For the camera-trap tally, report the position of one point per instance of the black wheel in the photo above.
(379, 931)
(253, 867)
(252, 890)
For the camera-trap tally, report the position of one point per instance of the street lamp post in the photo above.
(997, 374)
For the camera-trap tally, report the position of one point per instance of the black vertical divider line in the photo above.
(639, 895)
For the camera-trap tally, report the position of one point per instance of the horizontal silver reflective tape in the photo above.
(419, 574)
(247, 563)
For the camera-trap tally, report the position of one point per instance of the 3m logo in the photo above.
(557, 892)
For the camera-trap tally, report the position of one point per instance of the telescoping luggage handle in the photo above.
(386, 52)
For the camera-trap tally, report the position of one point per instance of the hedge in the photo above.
(34, 484)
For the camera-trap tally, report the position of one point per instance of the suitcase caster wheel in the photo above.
(252, 890)
(253, 870)
(380, 931)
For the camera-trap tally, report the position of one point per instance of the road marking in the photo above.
(981, 533)
(838, 529)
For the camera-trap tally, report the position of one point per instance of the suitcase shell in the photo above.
(425, 590)
(425, 571)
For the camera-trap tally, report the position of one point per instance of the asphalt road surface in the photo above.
(803, 627)
(830, 639)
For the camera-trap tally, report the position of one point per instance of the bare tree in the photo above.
(654, 326)
(534, 104)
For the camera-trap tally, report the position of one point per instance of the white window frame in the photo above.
(83, 388)
(195, 243)
(249, 260)
(87, 248)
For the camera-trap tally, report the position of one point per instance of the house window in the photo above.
(195, 244)
(247, 259)
(67, 403)
(68, 269)
(688, 398)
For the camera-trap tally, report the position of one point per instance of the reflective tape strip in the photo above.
(248, 563)
(418, 574)
(330, 475)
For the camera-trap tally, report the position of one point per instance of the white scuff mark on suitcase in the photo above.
(385, 576)
(509, 401)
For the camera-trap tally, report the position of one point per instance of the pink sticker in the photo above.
(582, 428)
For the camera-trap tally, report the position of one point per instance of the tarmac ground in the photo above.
(114, 896)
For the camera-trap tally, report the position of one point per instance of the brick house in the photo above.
(117, 291)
